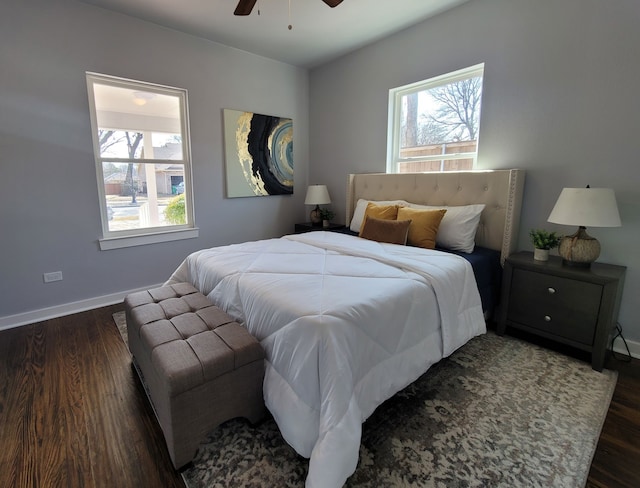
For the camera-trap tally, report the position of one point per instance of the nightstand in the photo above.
(574, 306)
(308, 227)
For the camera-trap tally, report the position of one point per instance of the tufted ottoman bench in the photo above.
(199, 366)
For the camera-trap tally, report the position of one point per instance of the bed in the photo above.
(347, 322)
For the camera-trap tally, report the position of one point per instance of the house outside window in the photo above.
(142, 154)
(434, 124)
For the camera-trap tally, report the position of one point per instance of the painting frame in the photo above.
(258, 154)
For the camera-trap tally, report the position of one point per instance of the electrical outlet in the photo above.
(54, 276)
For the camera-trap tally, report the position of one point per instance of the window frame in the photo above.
(115, 239)
(395, 111)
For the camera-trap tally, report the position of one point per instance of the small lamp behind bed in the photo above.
(317, 195)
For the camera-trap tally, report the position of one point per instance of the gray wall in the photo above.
(49, 210)
(560, 100)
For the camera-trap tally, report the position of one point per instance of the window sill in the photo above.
(109, 243)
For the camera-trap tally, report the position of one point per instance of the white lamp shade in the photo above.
(586, 207)
(317, 195)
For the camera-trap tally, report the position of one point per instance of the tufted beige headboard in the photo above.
(500, 190)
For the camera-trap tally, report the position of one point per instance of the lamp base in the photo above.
(579, 249)
(316, 218)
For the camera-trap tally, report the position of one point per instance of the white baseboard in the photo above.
(634, 348)
(25, 318)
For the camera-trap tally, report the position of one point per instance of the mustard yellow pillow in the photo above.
(424, 225)
(381, 230)
(382, 212)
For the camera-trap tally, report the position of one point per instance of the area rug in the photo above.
(499, 412)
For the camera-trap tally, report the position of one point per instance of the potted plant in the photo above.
(543, 241)
(326, 215)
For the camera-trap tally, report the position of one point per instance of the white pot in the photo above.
(541, 254)
(325, 224)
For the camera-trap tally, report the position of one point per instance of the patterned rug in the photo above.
(500, 412)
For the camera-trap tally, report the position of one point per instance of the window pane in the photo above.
(120, 144)
(139, 145)
(125, 116)
(435, 123)
(140, 195)
(439, 165)
(441, 115)
(166, 146)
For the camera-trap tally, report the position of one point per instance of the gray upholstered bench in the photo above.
(199, 366)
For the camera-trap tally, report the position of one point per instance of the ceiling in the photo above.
(319, 33)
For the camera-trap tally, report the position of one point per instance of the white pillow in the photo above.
(458, 227)
(361, 206)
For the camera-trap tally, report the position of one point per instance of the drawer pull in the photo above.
(547, 318)
(551, 290)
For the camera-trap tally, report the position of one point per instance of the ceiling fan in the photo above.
(246, 6)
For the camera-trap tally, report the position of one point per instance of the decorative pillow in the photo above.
(361, 206)
(458, 227)
(424, 225)
(384, 212)
(381, 230)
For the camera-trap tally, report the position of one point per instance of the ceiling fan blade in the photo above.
(332, 3)
(244, 7)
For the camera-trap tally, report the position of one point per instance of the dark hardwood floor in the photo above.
(72, 411)
(73, 414)
(616, 462)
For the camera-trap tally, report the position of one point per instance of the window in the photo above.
(434, 124)
(141, 146)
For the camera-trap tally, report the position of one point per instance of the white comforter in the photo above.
(345, 324)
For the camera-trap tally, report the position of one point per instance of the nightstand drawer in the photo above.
(560, 306)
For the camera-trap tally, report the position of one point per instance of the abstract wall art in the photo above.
(259, 154)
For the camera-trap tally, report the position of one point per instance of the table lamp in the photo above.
(317, 195)
(584, 207)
